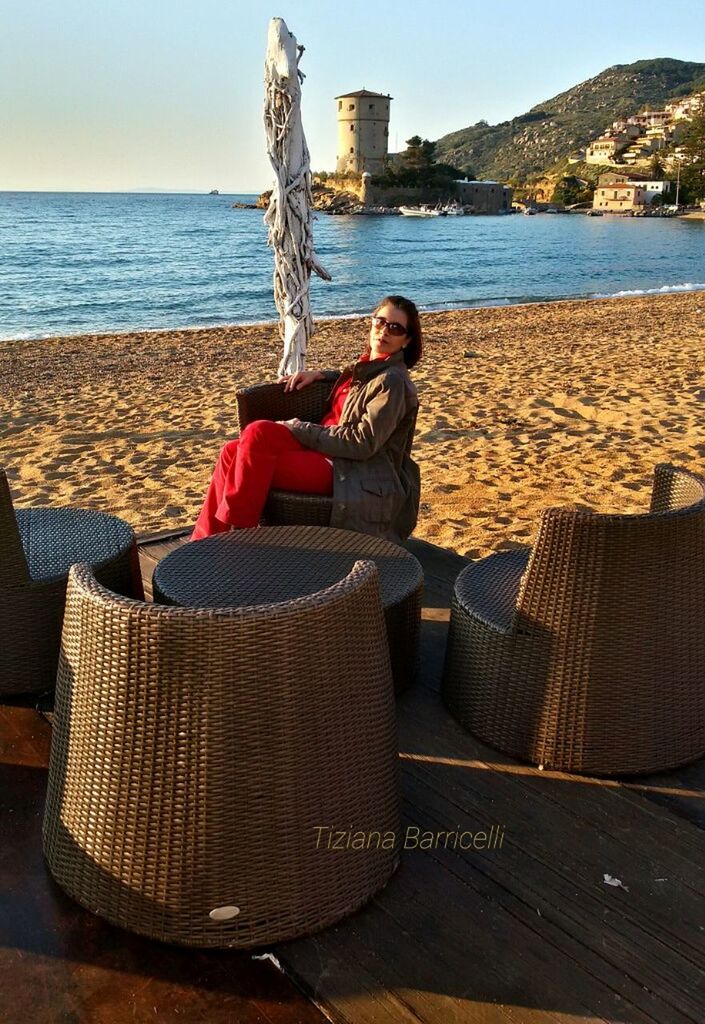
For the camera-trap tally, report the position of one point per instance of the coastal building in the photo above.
(363, 131)
(686, 108)
(652, 188)
(649, 118)
(604, 149)
(637, 152)
(627, 129)
(622, 197)
(619, 178)
(485, 196)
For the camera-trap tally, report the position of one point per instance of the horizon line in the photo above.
(134, 191)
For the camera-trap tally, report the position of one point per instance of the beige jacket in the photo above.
(376, 486)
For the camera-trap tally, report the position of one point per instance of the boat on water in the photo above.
(593, 213)
(424, 210)
(421, 211)
(529, 211)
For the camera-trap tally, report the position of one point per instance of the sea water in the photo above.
(74, 263)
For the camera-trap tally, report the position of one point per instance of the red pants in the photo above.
(266, 455)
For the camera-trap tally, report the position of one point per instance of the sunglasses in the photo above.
(396, 330)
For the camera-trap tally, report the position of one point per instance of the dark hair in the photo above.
(414, 347)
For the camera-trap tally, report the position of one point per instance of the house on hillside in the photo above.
(627, 129)
(650, 118)
(605, 149)
(687, 108)
(637, 152)
(621, 197)
(652, 188)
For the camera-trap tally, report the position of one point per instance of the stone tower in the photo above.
(363, 131)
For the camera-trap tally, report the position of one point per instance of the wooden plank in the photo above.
(570, 917)
(441, 973)
(152, 552)
(545, 953)
(555, 848)
(682, 791)
(145, 539)
(25, 737)
(60, 963)
(343, 986)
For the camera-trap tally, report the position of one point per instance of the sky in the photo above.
(99, 95)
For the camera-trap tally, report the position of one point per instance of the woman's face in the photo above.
(383, 342)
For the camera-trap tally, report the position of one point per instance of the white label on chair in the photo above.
(224, 913)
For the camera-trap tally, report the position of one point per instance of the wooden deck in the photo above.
(528, 932)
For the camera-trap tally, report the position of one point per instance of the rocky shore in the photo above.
(325, 200)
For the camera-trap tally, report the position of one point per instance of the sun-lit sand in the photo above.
(521, 407)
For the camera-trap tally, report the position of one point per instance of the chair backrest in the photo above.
(195, 751)
(13, 564)
(272, 402)
(622, 586)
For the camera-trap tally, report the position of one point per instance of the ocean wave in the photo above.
(626, 292)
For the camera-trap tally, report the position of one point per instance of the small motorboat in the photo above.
(421, 211)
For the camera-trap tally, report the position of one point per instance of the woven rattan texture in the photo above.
(54, 539)
(199, 758)
(591, 657)
(278, 563)
(32, 600)
(271, 402)
(13, 564)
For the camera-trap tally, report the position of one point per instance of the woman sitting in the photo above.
(357, 453)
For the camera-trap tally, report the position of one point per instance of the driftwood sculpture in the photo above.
(289, 218)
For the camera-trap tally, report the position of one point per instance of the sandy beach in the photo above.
(522, 407)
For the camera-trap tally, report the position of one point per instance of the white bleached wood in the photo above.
(289, 217)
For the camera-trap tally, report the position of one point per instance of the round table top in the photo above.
(269, 564)
(55, 538)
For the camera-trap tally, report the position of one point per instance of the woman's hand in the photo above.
(289, 423)
(301, 379)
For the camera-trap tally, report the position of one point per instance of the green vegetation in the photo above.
(416, 167)
(693, 167)
(542, 137)
(571, 190)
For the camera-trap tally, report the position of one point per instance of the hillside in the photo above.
(546, 134)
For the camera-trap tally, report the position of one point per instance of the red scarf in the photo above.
(340, 393)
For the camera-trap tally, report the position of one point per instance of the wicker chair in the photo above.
(271, 402)
(37, 548)
(587, 653)
(201, 757)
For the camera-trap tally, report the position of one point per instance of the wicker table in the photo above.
(37, 548)
(278, 563)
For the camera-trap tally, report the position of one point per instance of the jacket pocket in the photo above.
(379, 500)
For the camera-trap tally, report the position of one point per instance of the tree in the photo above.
(657, 171)
(693, 164)
(571, 190)
(415, 168)
(419, 154)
